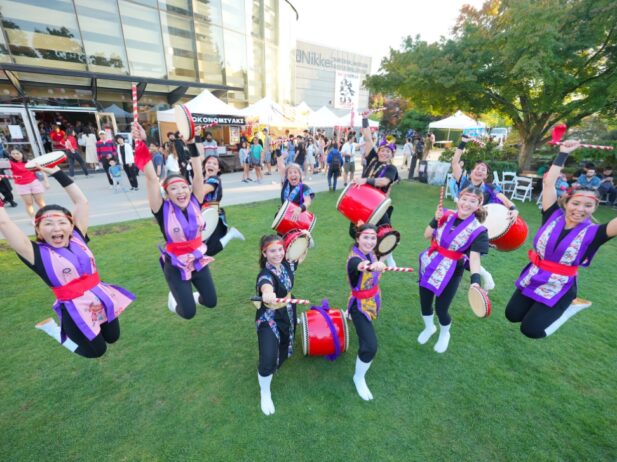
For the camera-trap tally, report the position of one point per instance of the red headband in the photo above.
(367, 230)
(52, 215)
(268, 244)
(175, 180)
(582, 193)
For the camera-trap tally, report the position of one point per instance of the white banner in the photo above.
(346, 90)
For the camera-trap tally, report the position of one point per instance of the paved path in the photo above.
(109, 207)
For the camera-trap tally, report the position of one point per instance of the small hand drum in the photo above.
(184, 122)
(48, 160)
(387, 240)
(210, 214)
(479, 302)
(296, 245)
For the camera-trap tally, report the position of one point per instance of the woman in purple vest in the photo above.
(222, 234)
(456, 237)
(294, 190)
(363, 273)
(87, 308)
(183, 257)
(546, 288)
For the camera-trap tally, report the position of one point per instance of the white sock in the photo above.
(358, 379)
(444, 338)
(429, 329)
(196, 298)
(487, 279)
(233, 233)
(390, 261)
(267, 406)
(52, 329)
(171, 303)
(570, 311)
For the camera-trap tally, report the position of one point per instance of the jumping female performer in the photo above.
(27, 184)
(183, 258)
(87, 308)
(379, 173)
(547, 286)
(294, 190)
(363, 273)
(276, 323)
(456, 236)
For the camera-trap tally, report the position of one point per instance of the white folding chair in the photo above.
(522, 188)
(448, 193)
(507, 181)
(496, 180)
(539, 201)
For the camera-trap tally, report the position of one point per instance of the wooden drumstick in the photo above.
(560, 130)
(592, 146)
(441, 194)
(135, 109)
(399, 269)
(297, 301)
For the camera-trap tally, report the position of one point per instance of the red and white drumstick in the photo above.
(560, 130)
(135, 109)
(371, 111)
(592, 146)
(441, 194)
(399, 269)
(477, 141)
(10, 177)
(297, 301)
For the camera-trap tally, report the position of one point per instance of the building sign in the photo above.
(207, 119)
(343, 63)
(346, 90)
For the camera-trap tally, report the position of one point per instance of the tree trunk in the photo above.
(528, 147)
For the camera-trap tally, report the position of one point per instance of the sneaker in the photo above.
(268, 173)
(13, 204)
(235, 234)
(579, 302)
(196, 298)
(171, 303)
(249, 179)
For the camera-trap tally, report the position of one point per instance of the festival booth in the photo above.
(222, 120)
(278, 118)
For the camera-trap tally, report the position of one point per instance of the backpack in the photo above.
(335, 164)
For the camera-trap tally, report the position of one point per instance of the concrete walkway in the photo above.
(109, 207)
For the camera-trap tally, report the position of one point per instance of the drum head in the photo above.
(47, 160)
(297, 245)
(211, 220)
(345, 331)
(305, 336)
(479, 302)
(279, 216)
(388, 242)
(380, 211)
(497, 222)
(184, 122)
(340, 198)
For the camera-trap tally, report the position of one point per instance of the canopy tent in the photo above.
(117, 111)
(458, 121)
(346, 120)
(323, 117)
(205, 104)
(270, 113)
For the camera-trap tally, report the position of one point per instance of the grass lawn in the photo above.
(177, 390)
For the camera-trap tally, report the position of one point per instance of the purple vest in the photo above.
(437, 270)
(546, 287)
(102, 303)
(369, 307)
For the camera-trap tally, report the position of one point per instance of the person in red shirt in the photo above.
(27, 184)
(73, 154)
(58, 137)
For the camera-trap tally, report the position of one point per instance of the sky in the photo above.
(372, 27)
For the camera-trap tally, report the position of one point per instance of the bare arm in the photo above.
(81, 211)
(153, 187)
(428, 232)
(611, 228)
(15, 237)
(199, 189)
(457, 171)
(549, 192)
(474, 262)
(367, 136)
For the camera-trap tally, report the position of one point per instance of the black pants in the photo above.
(105, 162)
(272, 353)
(6, 189)
(130, 172)
(535, 317)
(75, 156)
(214, 241)
(367, 338)
(95, 348)
(183, 291)
(412, 167)
(332, 177)
(442, 303)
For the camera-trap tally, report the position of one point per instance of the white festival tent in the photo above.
(458, 121)
(204, 103)
(345, 121)
(270, 113)
(304, 109)
(323, 117)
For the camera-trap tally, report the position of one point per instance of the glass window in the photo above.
(257, 20)
(142, 35)
(210, 54)
(235, 59)
(102, 36)
(256, 76)
(272, 76)
(270, 21)
(43, 33)
(233, 15)
(208, 11)
(151, 3)
(179, 43)
(177, 6)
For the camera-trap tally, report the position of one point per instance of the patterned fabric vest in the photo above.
(181, 229)
(100, 303)
(217, 194)
(293, 194)
(366, 294)
(436, 270)
(542, 285)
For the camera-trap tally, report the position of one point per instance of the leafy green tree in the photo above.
(538, 62)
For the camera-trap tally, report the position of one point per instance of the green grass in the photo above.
(187, 390)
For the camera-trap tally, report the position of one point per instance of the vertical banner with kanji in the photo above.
(347, 90)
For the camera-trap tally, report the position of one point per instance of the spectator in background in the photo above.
(255, 158)
(349, 161)
(267, 152)
(420, 148)
(291, 150)
(74, 154)
(210, 146)
(105, 151)
(58, 138)
(157, 160)
(335, 163)
(589, 179)
(407, 153)
(127, 160)
(90, 146)
(607, 185)
(172, 165)
(244, 155)
(561, 185)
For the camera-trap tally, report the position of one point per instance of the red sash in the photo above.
(77, 287)
(184, 247)
(551, 266)
(366, 293)
(451, 254)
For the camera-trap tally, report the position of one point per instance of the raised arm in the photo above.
(15, 237)
(199, 189)
(549, 192)
(81, 210)
(366, 134)
(153, 187)
(457, 171)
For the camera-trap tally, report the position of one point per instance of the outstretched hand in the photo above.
(138, 132)
(569, 146)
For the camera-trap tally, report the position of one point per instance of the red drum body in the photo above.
(283, 223)
(387, 240)
(363, 203)
(505, 236)
(296, 245)
(316, 335)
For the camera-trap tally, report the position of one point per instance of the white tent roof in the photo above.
(270, 113)
(323, 117)
(304, 109)
(345, 121)
(204, 103)
(458, 121)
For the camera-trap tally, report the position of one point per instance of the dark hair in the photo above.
(364, 227)
(563, 200)
(266, 239)
(481, 213)
(169, 134)
(119, 137)
(23, 157)
(211, 156)
(208, 133)
(49, 208)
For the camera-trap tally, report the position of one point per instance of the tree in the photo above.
(537, 62)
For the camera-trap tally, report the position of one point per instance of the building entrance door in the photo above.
(16, 132)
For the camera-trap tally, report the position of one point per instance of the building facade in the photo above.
(330, 77)
(67, 58)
